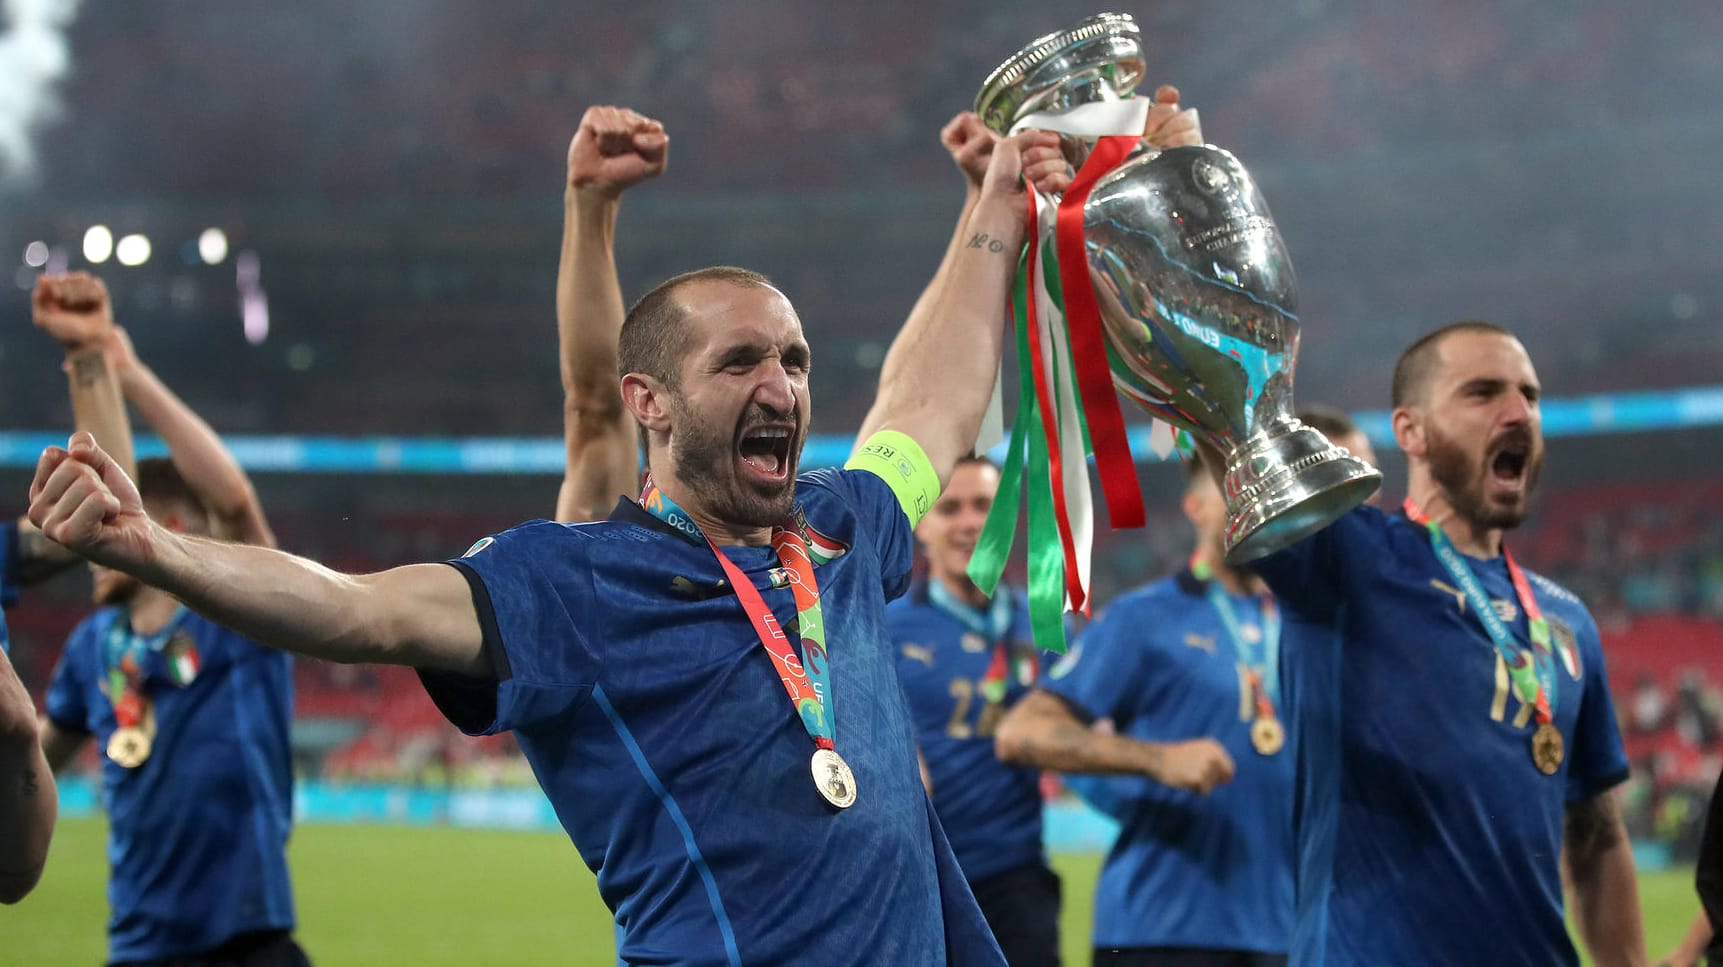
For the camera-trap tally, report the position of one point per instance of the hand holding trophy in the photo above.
(1158, 272)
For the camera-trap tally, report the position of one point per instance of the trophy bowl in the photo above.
(1197, 297)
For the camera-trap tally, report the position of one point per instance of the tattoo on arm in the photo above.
(88, 368)
(981, 240)
(1591, 826)
(32, 785)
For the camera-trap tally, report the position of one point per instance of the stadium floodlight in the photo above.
(36, 254)
(212, 246)
(98, 244)
(132, 250)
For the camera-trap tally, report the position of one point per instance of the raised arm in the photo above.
(420, 615)
(1605, 887)
(1040, 731)
(614, 149)
(197, 452)
(75, 309)
(940, 370)
(28, 805)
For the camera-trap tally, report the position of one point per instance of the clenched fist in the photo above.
(73, 308)
(83, 501)
(970, 144)
(615, 149)
(1195, 765)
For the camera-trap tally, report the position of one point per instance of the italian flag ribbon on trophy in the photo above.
(1067, 409)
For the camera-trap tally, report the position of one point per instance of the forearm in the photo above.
(198, 454)
(28, 808)
(98, 407)
(943, 365)
(597, 433)
(1606, 895)
(1691, 949)
(300, 606)
(1039, 733)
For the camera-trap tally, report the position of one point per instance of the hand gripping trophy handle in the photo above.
(1196, 294)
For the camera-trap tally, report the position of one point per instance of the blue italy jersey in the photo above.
(8, 576)
(1215, 871)
(197, 840)
(990, 811)
(1426, 834)
(659, 729)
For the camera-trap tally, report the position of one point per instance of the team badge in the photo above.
(180, 653)
(1567, 646)
(823, 549)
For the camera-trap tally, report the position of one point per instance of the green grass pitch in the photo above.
(373, 896)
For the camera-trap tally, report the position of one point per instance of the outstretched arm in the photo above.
(420, 615)
(1041, 731)
(28, 806)
(1606, 890)
(614, 149)
(197, 452)
(940, 370)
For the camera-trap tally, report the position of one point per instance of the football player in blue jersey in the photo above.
(1185, 668)
(963, 660)
(703, 683)
(1456, 741)
(193, 722)
(73, 309)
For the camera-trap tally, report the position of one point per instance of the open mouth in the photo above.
(1509, 463)
(766, 451)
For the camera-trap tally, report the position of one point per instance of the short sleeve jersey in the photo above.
(661, 734)
(1425, 832)
(1209, 872)
(197, 840)
(991, 811)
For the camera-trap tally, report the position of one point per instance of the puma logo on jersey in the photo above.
(1205, 642)
(1506, 610)
(688, 589)
(920, 653)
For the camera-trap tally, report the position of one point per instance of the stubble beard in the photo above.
(1463, 482)
(705, 458)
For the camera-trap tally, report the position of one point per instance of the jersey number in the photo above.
(963, 690)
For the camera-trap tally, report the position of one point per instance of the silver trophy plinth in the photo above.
(1196, 293)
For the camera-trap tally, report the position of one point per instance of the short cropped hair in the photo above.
(651, 339)
(1330, 421)
(161, 486)
(1416, 365)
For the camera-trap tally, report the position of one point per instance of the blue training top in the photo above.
(1426, 833)
(659, 729)
(1211, 872)
(197, 835)
(990, 811)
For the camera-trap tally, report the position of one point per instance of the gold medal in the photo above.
(129, 747)
(833, 778)
(1267, 736)
(1547, 749)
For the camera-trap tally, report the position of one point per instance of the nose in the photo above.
(1518, 409)
(776, 390)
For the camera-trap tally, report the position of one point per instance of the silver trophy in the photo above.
(1196, 293)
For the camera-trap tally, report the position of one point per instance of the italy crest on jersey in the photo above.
(1567, 646)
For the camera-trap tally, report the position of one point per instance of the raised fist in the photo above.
(971, 145)
(73, 308)
(615, 149)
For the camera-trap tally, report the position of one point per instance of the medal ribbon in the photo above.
(1535, 680)
(1263, 664)
(805, 677)
(125, 652)
(993, 628)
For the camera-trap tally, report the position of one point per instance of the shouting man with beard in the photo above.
(703, 683)
(1456, 740)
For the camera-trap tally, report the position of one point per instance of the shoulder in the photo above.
(1565, 611)
(1149, 599)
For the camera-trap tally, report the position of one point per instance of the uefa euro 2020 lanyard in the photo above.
(130, 745)
(805, 677)
(1267, 735)
(993, 626)
(1533, 672)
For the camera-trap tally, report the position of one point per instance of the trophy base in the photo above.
(1287, 484)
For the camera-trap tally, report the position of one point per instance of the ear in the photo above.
(1409, 431)
(648, 400)
(1192, 507)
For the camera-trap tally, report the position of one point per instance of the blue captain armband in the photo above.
(899, 461)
